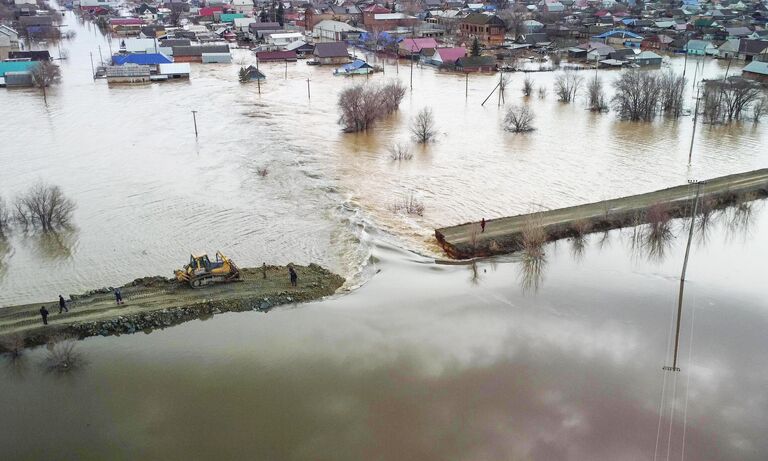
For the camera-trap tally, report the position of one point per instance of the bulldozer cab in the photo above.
(201, 261)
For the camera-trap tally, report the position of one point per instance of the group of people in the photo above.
(119, 294)
(63, 305)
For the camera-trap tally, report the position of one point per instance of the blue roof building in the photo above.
(142, 59)
(16, 66)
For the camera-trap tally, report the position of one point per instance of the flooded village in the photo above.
(421, 229)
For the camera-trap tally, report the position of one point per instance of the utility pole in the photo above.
(93, 71)
(695, 118)
(466, 85)
(309, 95)
(258, 80)
(101, 58)
(411, 70)
(286, 69)
(674, 366)
(501, 86)
(194, 120)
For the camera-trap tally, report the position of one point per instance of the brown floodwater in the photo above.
(149, 192)
(557, 358)
(438, 362)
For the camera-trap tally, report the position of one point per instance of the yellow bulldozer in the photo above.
(202, 271)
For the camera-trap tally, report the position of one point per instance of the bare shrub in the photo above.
(542, 92)
(759, 109)
(596, 95)
(44, 207)
(519, 119)
(400, 151)
(262, 171)
(567, 85)
(581, 227)
(362, 105)
(637, 95)
(528, 86)
(13, 345)
(423, 126)
(409, 205)
(63, 356)
(534, 236)
(659, 232)
(672, 87)
(5, 218)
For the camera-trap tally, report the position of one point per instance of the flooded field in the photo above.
(439, 362)
(149, 192)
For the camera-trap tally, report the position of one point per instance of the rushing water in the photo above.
(438, 362)
(149, 192)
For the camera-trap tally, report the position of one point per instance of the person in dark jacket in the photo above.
(44, 315)
(294, 276)
(118, 296)
(62, 304)
(482, 226)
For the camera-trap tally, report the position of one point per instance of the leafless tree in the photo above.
(5, 218)
(542, 92)
(726, 100)
(44, 207)
(362, 105)
(13, 345)
(400, 151)
(44, 75)
(672, 88)
(533, 261)
(637, 95)
(567, 85)
(519, 119)
(759, 108)
(596, 95)
(423, 126)
(527, 86)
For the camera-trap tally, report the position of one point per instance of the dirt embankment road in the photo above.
(504, 235)
(156, 302)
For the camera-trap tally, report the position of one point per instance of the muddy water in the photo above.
(149, 192)
(437, 362)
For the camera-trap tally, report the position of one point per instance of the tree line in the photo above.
(43, 207)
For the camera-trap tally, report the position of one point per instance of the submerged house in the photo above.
(646, 58)
(447, 56)
(476, 64)
(179, 70)
(128, 73)
(253, 74)
(700, 48)
(16, 73)
(356, 67)
(195, 53)
(331, 53)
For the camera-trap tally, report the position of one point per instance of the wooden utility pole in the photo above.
(194, 120)
(93, 71)
(466, 85)
(309, 95)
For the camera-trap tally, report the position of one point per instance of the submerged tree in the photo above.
(672, 87)
(44, 207)
(45, 74)
(596, 95)
(362, 105)
(423, 126)
(519, 119)
(567, 85)
(5, 218)
(727, 100)
(637, 95)
(527, 86)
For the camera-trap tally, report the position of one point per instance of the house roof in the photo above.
(376, 9)
(331, 50)
(482, 19)
(254, 26)
(738, 31)
(174, 68)
(41, 55)
(647, 55)
(299, 45)
(477, 61)
(16, 66)
(757, 67)
(698, 45)
(417, 44)
(354, 65)
(288, 55)
(126, 21)
(391, 16)
(230, 17)
(753, 46)
(130, 70)
(145, 59)
(451, 54)
(336, 26)
(255, 73)
(171, 42)
(618, 33)
(198, 50)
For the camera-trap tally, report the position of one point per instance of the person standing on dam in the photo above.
(62, 304)
(44, 315)
(294, 276)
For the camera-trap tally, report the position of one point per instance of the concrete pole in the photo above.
(682, 277)
(309, 95)
(695, 119)
(466, 85)
(93, 71)
(194, 120)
